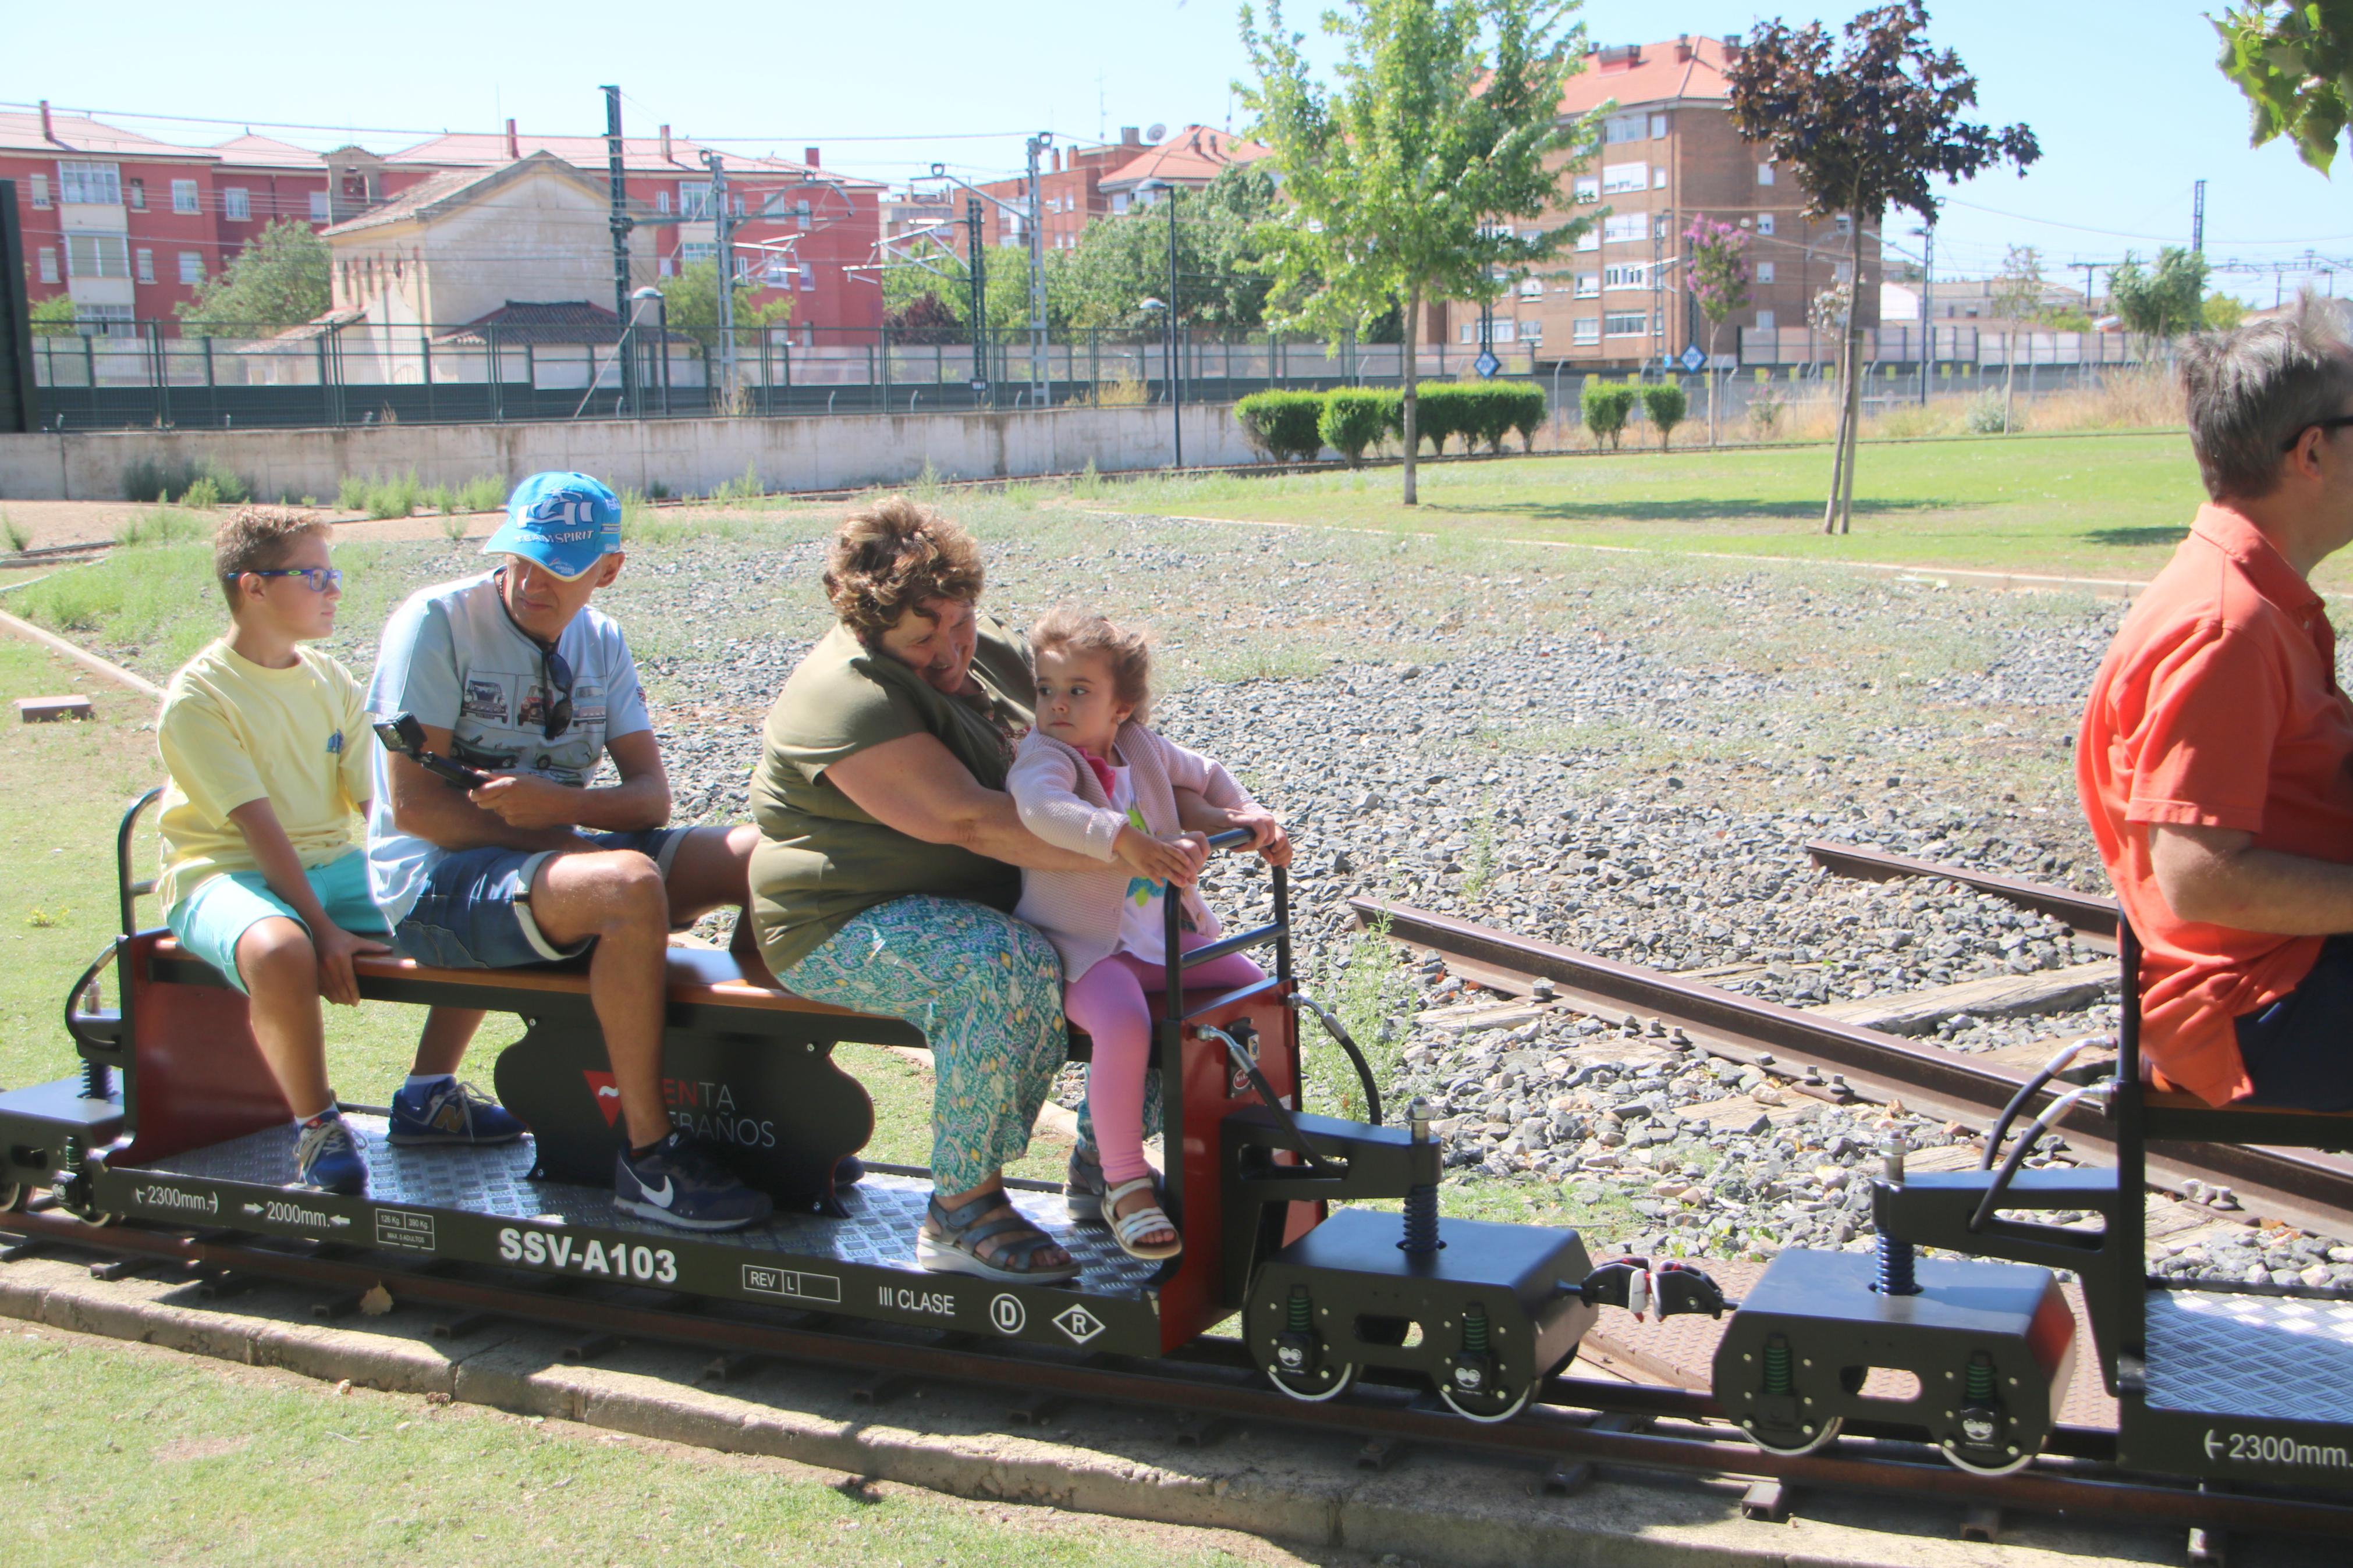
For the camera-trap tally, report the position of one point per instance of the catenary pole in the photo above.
(978, 270)
(723, 233)
(1041, 387)
(619, 178)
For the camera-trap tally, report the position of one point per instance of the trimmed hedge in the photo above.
(1354, 421)
(1605, 405)
(1666, 403)
(1283, 424)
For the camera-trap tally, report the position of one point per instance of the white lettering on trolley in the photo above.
(931, 1303)
(173, 1198)
(570, 1254)
(2264, 1449)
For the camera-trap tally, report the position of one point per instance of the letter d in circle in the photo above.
(1008, 1314)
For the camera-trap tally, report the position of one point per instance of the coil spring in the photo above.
(1421, 1219)
(1896, 1268)
(1299, 1321)
(1981, 1379)
(1475, 1330)
(1777, 1365)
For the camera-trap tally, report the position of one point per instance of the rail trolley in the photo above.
(174, 1122)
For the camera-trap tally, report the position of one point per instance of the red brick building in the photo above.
(1077, 185)
(128, 226)
(1667, 153)
(800, 232)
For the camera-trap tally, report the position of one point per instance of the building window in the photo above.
(1590, 240)
(1118, 203)
(1467, 332)
(1617, 177)
(40, 192)
(1623, 128)
(1531, 288)
(669, 268)
(801, 215)
(90, 184)
(138, 195)
(1657, 176)
(97, 255)
(1627, 277)
(808, 278)
(1659, 225)
(1531, 332)
(49, 264)
(319, 212)
(1585, 330)
(1502, 333)
(1845, 224)
(235, 205)
(1658, 127)
(1588, 285)
(1763, 174)
(1765, 321)
(1764, 272)
(147, 264)
(1765, 222)
(184, 197)
(192, 267)
(694, 253)
(104, 321)
(1841, 272)
(1589, 189)
(662, 202)
(1626, 323)
(1621, 228)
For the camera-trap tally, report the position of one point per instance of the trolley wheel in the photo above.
(2025, 1457)
(1341, 1377)
(13, 1196)
(1821, 1439)
(1487, 1408)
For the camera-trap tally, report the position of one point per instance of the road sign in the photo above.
(1694, 359)
(979, 385)
(1486, 364)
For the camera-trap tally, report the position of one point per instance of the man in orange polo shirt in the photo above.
(2216, 757)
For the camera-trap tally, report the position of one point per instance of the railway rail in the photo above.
(2307, 1187)
(1655, 1428)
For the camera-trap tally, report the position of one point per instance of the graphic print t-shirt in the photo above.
(452, 656)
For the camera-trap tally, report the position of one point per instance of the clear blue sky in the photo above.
(2123, 93)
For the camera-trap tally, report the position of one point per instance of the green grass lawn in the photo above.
(139, 1455)
(2091, 505)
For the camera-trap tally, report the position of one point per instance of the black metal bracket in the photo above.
(1356, 1160)
(1672, 1289)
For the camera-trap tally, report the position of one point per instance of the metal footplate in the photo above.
(2246, 1386)
(479, 1205)
(1991, 1345)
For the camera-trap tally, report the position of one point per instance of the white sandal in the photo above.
(1126, 1227)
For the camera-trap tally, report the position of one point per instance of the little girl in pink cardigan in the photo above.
(1091, 778)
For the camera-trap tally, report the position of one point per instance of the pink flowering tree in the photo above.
(1716, 270)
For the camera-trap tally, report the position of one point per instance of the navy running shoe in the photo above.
(448, 1112)
(331, 1157)
(678, 1183)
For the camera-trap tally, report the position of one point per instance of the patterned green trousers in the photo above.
(986, 992)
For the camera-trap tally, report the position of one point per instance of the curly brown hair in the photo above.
(889, 558)
(1081, 634)
(258, 538)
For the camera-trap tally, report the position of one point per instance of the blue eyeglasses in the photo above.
(318, 579)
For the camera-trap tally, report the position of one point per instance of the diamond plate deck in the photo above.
(2279, 1357)
(880, 1232)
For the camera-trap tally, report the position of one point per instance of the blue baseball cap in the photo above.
(565, 522)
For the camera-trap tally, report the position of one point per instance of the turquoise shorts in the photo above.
(210, 921)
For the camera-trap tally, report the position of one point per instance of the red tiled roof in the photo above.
(639, 155)
(522, 322)
(252, 151)
(451, 187)
(1193, 156)
(77, 133)
(1656, 78)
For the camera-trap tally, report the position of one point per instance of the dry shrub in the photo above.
(2138, 397)
(1124, 390)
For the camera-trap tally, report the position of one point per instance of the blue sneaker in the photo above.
(678, 1183)
(448, 1111)
(329, 1155)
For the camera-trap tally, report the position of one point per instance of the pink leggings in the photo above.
(1114, 1002)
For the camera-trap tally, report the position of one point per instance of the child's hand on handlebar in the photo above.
(1176, 860)
(1267, 836)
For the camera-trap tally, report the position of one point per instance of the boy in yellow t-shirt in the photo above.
(266, 744)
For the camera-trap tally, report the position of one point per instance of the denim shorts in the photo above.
(211, 922)
(475, 910)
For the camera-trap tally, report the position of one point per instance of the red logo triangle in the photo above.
(607, 1093)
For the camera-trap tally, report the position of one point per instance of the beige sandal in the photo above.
(1128, 1228)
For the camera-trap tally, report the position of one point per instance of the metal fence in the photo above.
(358, 373)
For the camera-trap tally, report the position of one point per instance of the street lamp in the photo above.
(650, 298)
(1168, 193)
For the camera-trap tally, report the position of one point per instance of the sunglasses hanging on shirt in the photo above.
(555, 671)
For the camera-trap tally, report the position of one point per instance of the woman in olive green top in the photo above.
(890, 859)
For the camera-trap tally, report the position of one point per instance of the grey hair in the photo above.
(2251, 391)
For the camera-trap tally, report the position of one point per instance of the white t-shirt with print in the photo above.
(453, 657)
(1144, 912)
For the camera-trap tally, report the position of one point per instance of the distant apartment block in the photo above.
(1077, 185)
(1667, 153)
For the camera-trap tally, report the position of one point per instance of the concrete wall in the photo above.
(833, 452)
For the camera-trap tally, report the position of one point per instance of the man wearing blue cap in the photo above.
(511, 673)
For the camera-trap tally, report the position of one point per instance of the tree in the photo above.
(2159, 306)
(1604, 406)
(54, 316)
(2017, 297)
(1861, 133)
(1666, 404)
(1403, 171)
(925, 318)
(2222, 312)
(690, 307)
(1222, 279)
(941, 274)
(2294, 63)
(280, 280)
(1716, 270)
